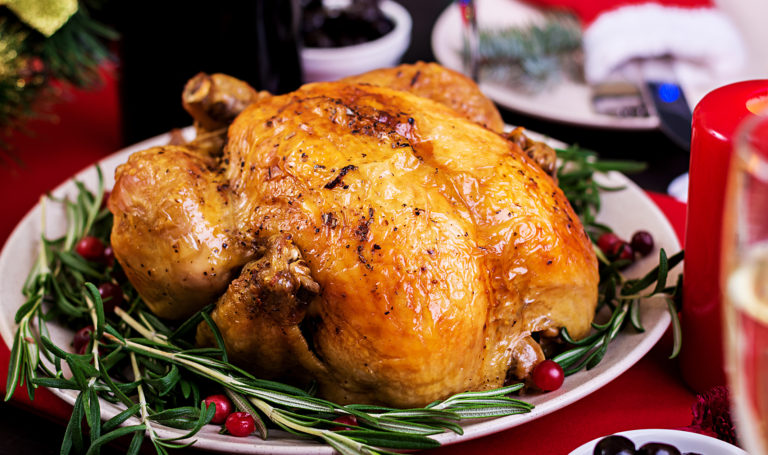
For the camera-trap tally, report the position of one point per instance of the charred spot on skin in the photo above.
(362, 258)
(337, 180)
(362, 229)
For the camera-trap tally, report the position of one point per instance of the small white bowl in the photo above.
(685, 441)
(329, 64)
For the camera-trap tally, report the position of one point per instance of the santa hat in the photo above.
(691, 31)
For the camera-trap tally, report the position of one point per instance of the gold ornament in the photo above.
(45, 16)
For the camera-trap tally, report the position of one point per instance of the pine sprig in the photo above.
(75, 51)
(532, 57)
(29, 61)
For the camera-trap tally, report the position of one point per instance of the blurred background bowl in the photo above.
(328, 64)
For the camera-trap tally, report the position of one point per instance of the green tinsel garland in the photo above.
(29, 61)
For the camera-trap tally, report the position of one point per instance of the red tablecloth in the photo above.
(649, 395)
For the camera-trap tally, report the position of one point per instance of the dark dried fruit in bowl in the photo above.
(614, 445)
(657, 448)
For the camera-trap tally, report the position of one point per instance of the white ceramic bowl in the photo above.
(685, 441)
(328, 64)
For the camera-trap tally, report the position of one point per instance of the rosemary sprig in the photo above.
(621, 295)
(157, 374)
(575, 176)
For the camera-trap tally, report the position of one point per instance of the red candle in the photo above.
(715, 119)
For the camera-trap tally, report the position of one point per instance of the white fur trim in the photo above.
(703, 36)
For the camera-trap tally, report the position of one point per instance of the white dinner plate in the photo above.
(566, 101)
(626, 211)
(685, 441)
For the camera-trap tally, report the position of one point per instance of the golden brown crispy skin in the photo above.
(258, 315)
(438, 246)
(440, 84)
(174, 231)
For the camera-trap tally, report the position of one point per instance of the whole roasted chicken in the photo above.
(385, 244)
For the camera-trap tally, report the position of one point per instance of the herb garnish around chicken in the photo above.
(157, 373)
(620, 295)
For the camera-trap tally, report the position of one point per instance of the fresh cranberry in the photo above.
(82, 339)
(622, 251)
(547, 376)
(240, 424)
(345, 422)
(91, 248)
(642, 242)
(111, 296)
(607, 241)
(224, 407)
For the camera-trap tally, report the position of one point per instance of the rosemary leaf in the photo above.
(112, 435)
(119, 418)
(73, 436)
(392, 440)
(676, 332)
(92, 414)
(217, 335)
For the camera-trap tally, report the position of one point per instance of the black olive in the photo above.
(657, 448)
(614, 445)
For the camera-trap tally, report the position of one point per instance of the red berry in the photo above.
(240, 424)
(345, 422)
(607, 241)
(224, 407)
(622, 251)
(642, 242)
(82, 339)
(91, 248)
(111, 296)
(547, 376)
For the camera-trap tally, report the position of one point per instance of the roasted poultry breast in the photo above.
(382, 243)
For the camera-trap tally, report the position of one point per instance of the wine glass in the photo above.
(745, 283)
